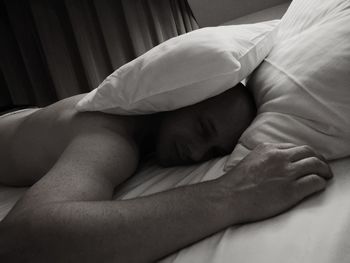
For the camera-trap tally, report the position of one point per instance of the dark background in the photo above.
(50, 50)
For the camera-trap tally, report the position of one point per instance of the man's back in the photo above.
(36, 138)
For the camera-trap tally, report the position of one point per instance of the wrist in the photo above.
(230, 199)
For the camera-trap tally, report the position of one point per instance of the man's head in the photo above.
(205, 130)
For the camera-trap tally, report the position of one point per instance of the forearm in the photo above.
(270, 180)
(137, 230)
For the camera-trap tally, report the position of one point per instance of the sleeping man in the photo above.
(73, 161)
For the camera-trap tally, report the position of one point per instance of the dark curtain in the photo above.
(50, 50)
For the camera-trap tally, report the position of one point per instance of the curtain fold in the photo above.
(50, 50)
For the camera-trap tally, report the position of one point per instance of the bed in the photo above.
(317, 230)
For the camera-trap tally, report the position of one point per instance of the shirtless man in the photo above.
(75, 160)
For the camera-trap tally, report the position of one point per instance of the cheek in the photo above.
(166, 152)
(169, 132)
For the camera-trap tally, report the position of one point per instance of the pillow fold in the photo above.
(183, 70)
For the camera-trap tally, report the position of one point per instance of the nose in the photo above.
(197, 154)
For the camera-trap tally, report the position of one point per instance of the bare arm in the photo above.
(63, 217)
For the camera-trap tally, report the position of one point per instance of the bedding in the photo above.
(317, 230)
(183, 70)
(302, 88)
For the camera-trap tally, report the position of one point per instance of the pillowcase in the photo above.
(302, 89)
(183, 70)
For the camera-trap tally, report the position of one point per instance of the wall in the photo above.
(215, 12)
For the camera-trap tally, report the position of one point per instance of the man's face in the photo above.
(205, 130)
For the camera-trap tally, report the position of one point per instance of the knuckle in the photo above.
(291, 170)
(262, 148)
(316, 183)
(315, 162)
(319, 183)
(272, 154)
(271, 150)
(308, 148)
(312, 179)
(264, 145)
(276, 155)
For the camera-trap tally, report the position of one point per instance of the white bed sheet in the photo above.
(318, 230)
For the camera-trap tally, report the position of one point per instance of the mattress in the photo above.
(317, 230)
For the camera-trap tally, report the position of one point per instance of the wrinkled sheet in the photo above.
(302, 88)
(318, 230)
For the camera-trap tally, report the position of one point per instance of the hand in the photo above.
(273, 178)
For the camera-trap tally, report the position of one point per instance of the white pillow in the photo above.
(302, 89)
(183, 70)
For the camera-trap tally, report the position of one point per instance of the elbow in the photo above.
(5, 241)
(51, 234)
(21, 239)
(15, 242)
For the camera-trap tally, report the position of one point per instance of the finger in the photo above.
(300, 152)
(311, 165)
(283, 146)
(309, 185)
(276, 145)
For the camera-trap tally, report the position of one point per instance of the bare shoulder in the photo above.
(96, 142)
(65, 114)
(43, 137)
(102, 152)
